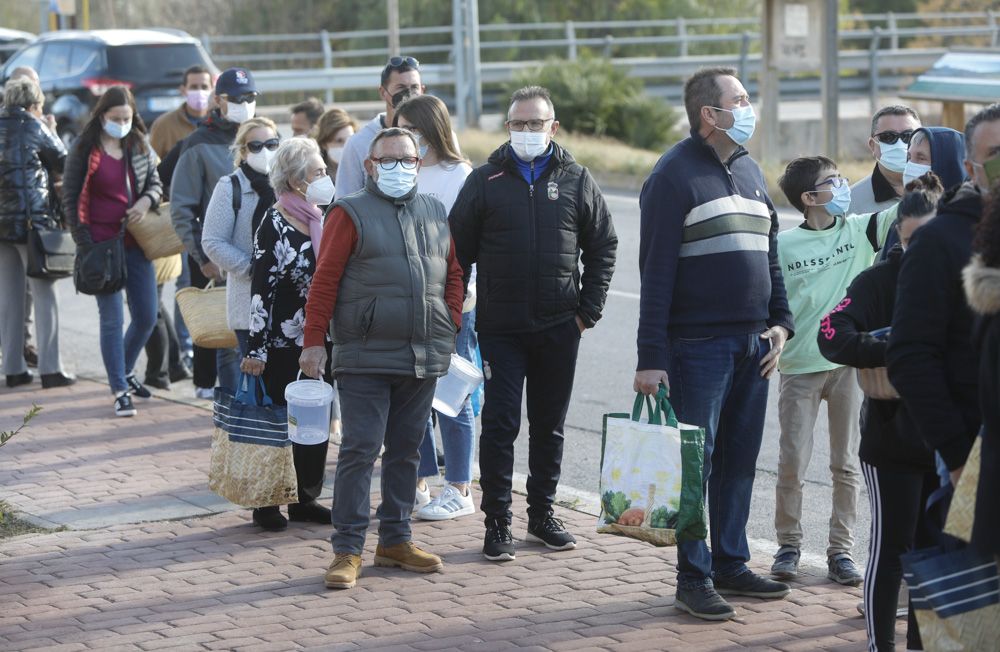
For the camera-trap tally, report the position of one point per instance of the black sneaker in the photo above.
(550, 531)
(123, 406)
(750, 584)
(57, 379)
(498, 544)
(786, 563)
(136, 388)
(179, 373)
(14, 380)
(842, 570)
(703, 602)
(270, 519)
(158, 383)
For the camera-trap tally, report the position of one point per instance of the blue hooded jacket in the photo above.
(947, 161)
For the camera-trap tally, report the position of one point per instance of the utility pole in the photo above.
(392, 11)
(831, 78)
(769, 94)
(458, 61)
(473, 62)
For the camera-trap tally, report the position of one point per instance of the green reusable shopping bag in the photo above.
(651, 475)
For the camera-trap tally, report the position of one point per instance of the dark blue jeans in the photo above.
(715, 383)
(120, 353)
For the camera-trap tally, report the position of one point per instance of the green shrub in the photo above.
(593, 97)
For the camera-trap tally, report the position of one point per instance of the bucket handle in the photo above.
(298, 376)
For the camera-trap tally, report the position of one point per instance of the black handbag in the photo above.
(51, 251)
(100, 266)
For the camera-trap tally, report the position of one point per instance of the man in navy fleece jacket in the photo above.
(713, 313)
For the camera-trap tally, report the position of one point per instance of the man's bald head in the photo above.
(25, 72)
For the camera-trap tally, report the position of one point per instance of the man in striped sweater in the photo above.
(713, 319)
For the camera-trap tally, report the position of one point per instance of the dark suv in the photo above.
(76, 67)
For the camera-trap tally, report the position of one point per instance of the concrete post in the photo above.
(831, 79)
(324, 37)
(458, 60)
(474, 64)
(392, 14)
(873, 72)
(768, 106)
(682, 35)
(571, 37)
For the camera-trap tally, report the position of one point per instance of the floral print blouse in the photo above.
(281, 272)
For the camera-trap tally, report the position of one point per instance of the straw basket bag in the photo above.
(155, 234)
(875, 384)
(204, 313)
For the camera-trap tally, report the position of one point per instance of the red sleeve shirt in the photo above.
(339, 240)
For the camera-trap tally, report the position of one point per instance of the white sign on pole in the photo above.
(797, 29)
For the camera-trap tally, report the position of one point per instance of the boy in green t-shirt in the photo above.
(819, 259)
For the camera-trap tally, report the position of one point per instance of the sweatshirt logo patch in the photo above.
(495, 176)
(553, 190)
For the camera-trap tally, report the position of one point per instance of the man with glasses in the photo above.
(388, 276)
(713, 313)
(400, 79)
(528, 218)
(819, 259)
(205, 156)
(892, 127)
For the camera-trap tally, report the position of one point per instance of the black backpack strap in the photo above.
(237, 195)
(872, 232)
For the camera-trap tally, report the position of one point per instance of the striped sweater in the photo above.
(708, 251)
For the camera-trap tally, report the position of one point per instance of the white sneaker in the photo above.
(450, 503)
(205, 393)
(422, 497)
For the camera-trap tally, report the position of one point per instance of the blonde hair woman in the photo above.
(237, 207)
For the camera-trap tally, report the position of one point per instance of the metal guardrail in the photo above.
(330, 61)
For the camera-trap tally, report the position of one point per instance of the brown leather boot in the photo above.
(408, 557)
(344, 571)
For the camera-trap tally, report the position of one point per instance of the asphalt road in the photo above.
(603, 384)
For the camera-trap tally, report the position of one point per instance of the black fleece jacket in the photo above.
(888, 434)
(930, 356)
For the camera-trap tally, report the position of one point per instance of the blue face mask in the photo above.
(744, 123)
(894, 156)
(117, 130)
(840, 202)
(397, 181)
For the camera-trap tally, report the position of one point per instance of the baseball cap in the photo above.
(235, 82)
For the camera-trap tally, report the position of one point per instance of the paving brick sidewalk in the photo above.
(213, 581)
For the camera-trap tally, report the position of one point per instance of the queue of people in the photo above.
(373, 282)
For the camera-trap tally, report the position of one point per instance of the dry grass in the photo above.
(616, 165)
(11, 526)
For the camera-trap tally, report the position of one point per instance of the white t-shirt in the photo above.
(443, 181)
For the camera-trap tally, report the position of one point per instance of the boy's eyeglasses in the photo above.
(835, 182)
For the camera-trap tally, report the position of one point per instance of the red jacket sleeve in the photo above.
(339, 240)
(454, 290)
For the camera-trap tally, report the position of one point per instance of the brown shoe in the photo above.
(408, 557)
(344, 571)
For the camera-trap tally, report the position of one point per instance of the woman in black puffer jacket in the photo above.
(898, 467)
(29, 155)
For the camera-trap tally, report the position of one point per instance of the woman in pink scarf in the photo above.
(284, 261)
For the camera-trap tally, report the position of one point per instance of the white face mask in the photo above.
(262, 160)
(913, 171)
(397, 181)
(334, 153)
(529, 145)
(320, 192)
(240, 113)
(893, 156)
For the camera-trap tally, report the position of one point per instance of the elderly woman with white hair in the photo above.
(282, 268)
(31, 156)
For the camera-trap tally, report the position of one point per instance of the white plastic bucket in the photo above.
(309, 404)
(454, 389)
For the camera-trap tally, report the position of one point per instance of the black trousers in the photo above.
(310, 460)
(546, 360)
(204, 360)
(163, 353)
(899, 524)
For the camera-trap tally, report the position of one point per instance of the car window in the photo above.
(27, 57)
(85, 58)
(55, 62)
(153, 63)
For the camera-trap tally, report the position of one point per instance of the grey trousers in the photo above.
(378, 409)
(13, 264)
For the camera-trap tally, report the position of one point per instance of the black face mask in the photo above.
(400, 96)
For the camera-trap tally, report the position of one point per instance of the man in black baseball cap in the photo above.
(205, 157)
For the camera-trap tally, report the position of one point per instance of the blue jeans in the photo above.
(458, 434)
(140, 289)
(183, 281)
(715, 383)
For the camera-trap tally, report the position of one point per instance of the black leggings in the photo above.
(899, 524)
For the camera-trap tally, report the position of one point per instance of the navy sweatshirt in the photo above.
(708, 251)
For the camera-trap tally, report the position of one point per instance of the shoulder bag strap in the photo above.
(237, 194)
